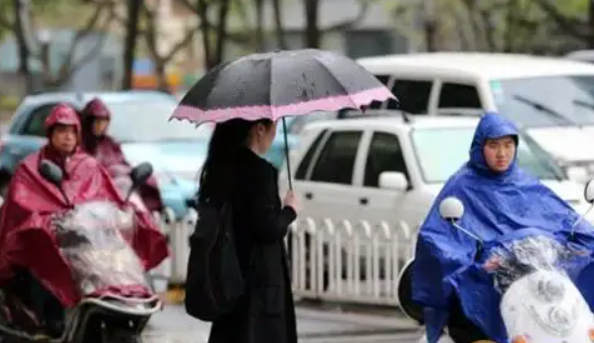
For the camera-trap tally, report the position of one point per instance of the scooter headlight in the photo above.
(550, 290)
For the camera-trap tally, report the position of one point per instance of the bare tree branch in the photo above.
(70, 68)
(81, 34)
(205, 24)
(151, 38)
(190, 34)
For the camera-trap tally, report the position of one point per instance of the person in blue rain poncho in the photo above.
(499, 198)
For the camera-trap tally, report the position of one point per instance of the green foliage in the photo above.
(9, 103)
(493, 25)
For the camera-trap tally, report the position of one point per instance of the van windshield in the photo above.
(547, 100)
(442, 151)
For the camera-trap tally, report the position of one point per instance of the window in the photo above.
(337, 160)
(385, 154)
(546, 100)
(454, 95)
(442, 151)
(413, 96)
(306, 161)
(392, 104)
(35, 126)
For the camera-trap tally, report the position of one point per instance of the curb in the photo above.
(176, 295)
(364, 319)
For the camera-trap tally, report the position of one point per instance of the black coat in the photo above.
(266, 312)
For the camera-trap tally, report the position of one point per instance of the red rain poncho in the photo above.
(110, 155)
(26, 238)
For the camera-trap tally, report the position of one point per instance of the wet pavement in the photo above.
(174, 326)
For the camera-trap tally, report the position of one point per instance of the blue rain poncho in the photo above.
(495, 205)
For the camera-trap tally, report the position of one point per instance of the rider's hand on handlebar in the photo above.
(492, 263)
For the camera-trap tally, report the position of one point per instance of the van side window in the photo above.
(457, 95)
(301, 173)
(413, 95)
(336, 162)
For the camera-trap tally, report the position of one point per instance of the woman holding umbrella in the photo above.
(245, 98)
(234, 169)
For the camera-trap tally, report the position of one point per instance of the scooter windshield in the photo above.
(513, 259)
(93, 238)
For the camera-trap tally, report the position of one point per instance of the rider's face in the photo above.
(63, 138)
(499, 153)
(100, 126)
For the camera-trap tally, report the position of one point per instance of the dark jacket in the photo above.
(266, 313)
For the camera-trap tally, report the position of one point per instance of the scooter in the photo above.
(539, 301)
(91, 237)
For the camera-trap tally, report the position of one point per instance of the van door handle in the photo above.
(363, 201)
(308, 196)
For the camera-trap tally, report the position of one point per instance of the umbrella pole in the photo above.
(287, 154)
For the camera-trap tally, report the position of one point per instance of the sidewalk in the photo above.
(174, 325)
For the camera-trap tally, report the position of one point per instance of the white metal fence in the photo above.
(342, 261)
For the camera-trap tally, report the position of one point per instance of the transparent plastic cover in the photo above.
(93, 238)
(517, 258)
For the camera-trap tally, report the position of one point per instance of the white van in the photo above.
(551, 99)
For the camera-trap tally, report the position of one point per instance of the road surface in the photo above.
(314, 326)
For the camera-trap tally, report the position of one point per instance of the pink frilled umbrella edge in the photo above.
(333, 103)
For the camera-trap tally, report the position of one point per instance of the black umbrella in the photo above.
(277, 84)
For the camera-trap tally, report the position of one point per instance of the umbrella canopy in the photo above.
(281, 83)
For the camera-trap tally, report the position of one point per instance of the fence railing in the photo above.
(344, 261)
(347, 261)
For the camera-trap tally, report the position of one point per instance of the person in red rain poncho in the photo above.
(95, 121)
(27, 242)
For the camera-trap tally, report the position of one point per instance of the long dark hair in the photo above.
(89, 141)
(218, 175)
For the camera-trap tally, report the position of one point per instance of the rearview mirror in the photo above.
(393, 180)
(51, 172)
(141, 173)
(451, 208)
(589, 192)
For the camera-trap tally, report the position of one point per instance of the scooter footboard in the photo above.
(129, 306)
(110, 314)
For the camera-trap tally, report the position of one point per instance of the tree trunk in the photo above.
(202, 10)
(260, 39)
(134, 7)
(20, 10)
(430, 25)
(161, 76)
(221, 33)
(313, 36)
(591, 23)
(278, 23)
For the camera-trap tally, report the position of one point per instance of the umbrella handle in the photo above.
(287, 154)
